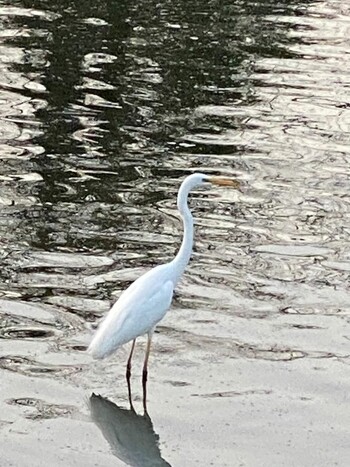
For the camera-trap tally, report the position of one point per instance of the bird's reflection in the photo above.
(131, 436)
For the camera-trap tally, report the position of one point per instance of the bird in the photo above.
(146, 301)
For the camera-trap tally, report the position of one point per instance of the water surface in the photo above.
(104, 109)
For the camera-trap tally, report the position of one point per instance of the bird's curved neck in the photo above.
(184, 254)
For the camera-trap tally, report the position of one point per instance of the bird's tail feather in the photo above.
(97, 350)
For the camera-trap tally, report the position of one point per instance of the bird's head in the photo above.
(198, 179)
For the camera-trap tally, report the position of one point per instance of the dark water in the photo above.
(105, 107)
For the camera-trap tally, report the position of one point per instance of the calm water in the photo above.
(105, 107)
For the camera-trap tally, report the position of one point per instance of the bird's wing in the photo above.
(137, 311)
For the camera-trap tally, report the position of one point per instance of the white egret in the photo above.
(145, 302)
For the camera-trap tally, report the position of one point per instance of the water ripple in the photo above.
(103, 112)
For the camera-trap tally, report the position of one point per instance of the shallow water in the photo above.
(104, 109)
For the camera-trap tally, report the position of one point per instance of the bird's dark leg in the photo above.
(128, 372)
(128, 365)
(145, 371)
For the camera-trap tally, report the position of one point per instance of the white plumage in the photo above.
(146, 301)
(138, 310)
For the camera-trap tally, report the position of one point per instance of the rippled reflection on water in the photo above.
(131, 436)
(104, 109)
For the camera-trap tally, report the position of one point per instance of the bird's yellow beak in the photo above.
(222, 181)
